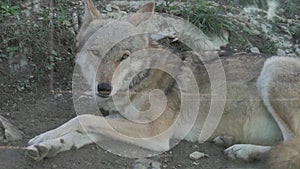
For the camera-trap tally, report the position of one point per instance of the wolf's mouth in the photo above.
(103, 94)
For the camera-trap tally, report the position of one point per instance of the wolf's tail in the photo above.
(286, 155)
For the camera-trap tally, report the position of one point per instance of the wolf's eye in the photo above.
(125, 55)
(96, 52)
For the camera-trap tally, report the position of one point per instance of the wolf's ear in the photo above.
(149, 7)
(137, 18)
(90, 13)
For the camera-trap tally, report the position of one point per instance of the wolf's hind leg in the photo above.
(247, 152)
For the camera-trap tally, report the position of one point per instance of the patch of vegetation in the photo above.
(23, 84)
(270, 48)
(7, 10)
(295, 31)
(25, 33)
(204, 14)
(292, 7)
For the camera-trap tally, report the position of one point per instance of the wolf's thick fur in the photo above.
(262, 106)
(286, 155)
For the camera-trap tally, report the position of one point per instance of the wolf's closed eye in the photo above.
(96, 52)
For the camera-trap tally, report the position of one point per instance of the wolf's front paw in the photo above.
(37, 152)
(238, 151)
(246, 152)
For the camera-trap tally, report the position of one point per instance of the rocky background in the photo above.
(260, 26)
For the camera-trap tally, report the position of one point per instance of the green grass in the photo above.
(29, 35)
(201, 13)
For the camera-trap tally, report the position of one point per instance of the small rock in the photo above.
(58, 96)
(287, 45)
(197, 155)
(195, 163)
(108, 7)
(146, 164)
(122, 13)
(280, 52)
(264, 28)
(256, 32)
(8, 131)
(14, 105)
(115, 7)
(254, 50)
(289, 51)
(297, 51)
(114, 15)
(155, 165)
(123, 5)
(291, 55)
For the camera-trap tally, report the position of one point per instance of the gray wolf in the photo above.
(262, 105)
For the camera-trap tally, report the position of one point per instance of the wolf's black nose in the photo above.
(104, 89)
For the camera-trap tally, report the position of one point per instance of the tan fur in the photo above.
(286, 155)
(262, 105)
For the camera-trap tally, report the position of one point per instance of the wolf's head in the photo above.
(119, 60)
(118, 51)
(107, 59)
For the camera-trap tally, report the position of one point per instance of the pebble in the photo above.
(297, 51)
(197, 155)
(195, 163)
(12, 133)
(58, 96)
(291, 55)
(280, 52)
(254, 50)
(264, 28)
(287, 45)
(115, 7)
(146, 164)
(108, 7)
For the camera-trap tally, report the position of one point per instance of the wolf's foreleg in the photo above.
(49, 148)
(86, 129)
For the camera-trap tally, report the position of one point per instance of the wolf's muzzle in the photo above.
(104, 89)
